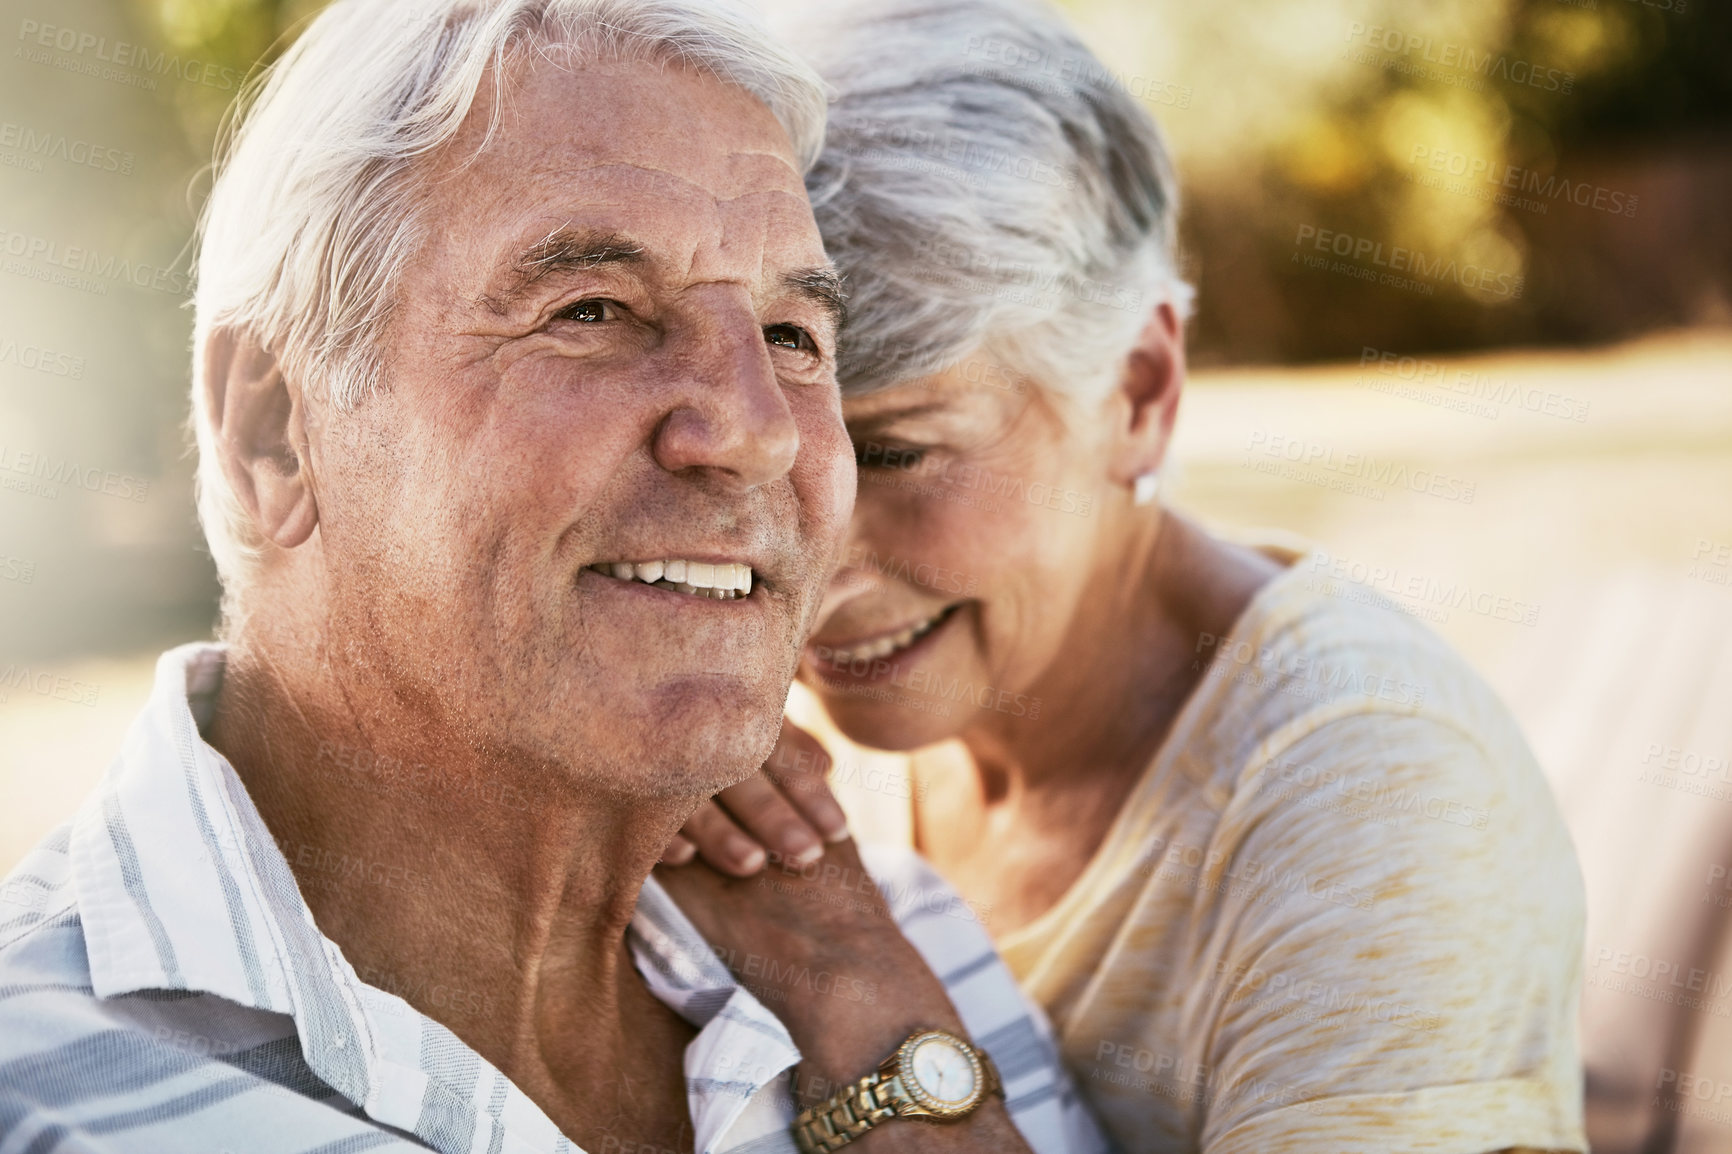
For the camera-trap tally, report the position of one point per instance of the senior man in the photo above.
(522, 461)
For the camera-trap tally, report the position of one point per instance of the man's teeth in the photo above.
(885, 646)
(726, 581)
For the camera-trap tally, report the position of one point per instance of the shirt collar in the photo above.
(180, 886)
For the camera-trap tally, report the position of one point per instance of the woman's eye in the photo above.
(586, 312)
(791, 337)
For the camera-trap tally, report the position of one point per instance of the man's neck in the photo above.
(489, 893)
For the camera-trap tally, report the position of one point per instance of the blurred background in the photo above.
(1484, 240)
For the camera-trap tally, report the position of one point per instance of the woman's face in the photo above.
(977, 537)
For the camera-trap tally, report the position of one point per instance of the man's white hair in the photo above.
(315, 210)
(986, 183)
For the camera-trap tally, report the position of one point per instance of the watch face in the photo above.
(942, 1074)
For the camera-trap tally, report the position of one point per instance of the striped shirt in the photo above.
(163, 986)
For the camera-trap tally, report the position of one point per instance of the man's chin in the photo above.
(693, 743)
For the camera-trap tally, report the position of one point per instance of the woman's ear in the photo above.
(259, 421)
(1146, 404)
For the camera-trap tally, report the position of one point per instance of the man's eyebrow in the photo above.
(560, 251)
(823, 287)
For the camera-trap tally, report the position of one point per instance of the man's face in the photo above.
(614, 348)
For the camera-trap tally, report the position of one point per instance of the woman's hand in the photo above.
(820, 949)
(786, 812)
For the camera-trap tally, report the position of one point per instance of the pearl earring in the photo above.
(1147, 487)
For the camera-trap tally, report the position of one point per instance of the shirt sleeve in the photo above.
(947, 933)
(1388, 949)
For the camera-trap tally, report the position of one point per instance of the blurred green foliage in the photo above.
(1281, 127)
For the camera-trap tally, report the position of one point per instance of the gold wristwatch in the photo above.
(934, 1076)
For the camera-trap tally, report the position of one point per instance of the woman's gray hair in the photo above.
(986, 183)
(315, 209)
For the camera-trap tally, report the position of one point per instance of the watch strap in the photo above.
(845, 1116)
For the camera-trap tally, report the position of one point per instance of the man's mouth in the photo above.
(884, 646)
(719, 581)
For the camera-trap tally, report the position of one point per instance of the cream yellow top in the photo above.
(1338, 913)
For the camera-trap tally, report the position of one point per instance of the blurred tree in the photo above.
(241, 34)
(1302, 116)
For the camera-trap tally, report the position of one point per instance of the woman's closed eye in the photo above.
(882, 455)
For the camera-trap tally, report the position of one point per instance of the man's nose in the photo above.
(730, 416)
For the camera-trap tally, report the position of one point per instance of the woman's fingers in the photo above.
(801, 767)
(785, 812)
(760, 808)
(722, 843)
(679, 851)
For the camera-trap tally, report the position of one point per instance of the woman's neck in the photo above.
(1128, 664)
(1052, 785)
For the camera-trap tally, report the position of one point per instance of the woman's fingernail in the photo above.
(747, 854)
(679, 854)
(801, 847)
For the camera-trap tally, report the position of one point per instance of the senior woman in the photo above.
(1279, 866)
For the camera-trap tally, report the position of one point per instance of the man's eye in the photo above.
(791, 337)
(585, 312)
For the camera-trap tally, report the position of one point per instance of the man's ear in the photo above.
(1146, 403)
(259, 419)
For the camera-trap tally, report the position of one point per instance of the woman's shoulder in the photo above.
(1311, 654)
